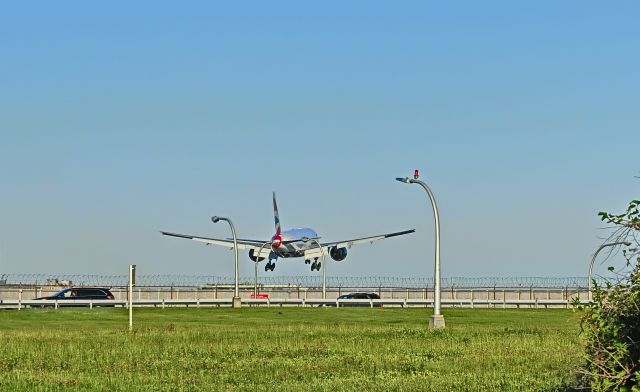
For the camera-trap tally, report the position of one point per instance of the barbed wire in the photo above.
(300, 281)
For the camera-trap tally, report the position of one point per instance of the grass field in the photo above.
(289, 349)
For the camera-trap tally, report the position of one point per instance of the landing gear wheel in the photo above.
(307, 261)
(273, 266)
(267, 267)
(318, 266)
(313, 266)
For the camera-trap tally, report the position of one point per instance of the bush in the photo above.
(611, 322)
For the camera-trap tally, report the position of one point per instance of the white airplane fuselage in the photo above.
(294, 242)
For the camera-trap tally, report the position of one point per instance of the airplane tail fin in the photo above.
(275, 214)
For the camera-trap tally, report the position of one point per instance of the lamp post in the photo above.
(593, 259)
(255, 276)
(324, 269)
(437, 320)
(236, 293)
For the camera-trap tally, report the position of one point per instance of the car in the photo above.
(364, 297)
(80, 293)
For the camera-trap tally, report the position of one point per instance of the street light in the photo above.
(437, 320)
(593, 259)
(236, 294)
(324, 269)
(255, 276)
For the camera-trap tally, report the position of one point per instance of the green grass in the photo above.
(291, 349)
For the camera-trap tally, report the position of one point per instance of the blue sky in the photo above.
(120, 120)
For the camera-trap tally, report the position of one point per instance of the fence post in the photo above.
(20, 299)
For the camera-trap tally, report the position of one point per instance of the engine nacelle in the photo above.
(252, 256)
(338, 254)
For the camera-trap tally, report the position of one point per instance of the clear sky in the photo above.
(121, 119)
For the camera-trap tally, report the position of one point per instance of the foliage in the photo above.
(287, 349)
(611, 323)
(626, 225)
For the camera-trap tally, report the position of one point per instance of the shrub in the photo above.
(611, 322)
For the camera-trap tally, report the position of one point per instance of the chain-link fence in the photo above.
(289, 281)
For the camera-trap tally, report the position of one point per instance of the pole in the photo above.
(236, 291)
(132, 281)
(324, 277)
(593, 259)
(255, 281)
(437, 320)
(324, 270)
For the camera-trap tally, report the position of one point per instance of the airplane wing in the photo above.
(364, 240)
(242, 244)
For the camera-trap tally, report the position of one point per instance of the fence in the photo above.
(17, 290)
(301, 281)
(15, 297)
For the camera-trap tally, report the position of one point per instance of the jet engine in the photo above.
(252, 255)
(338, 254)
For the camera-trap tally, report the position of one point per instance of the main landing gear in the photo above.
(270, 266)
(316, 264)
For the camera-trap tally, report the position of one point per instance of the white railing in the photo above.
(302, 302)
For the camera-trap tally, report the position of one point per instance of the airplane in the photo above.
(299, 242)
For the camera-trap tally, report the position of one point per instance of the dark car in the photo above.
(80, 293)
(364, 297)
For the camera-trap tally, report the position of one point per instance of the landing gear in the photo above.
(270, 266)
(316, 264)
(307, 261)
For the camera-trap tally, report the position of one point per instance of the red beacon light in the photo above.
(416, 174)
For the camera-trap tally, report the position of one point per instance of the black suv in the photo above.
(80, 293)
(362, 296)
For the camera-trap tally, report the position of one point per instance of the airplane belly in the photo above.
(313, 253)
(290, 250)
